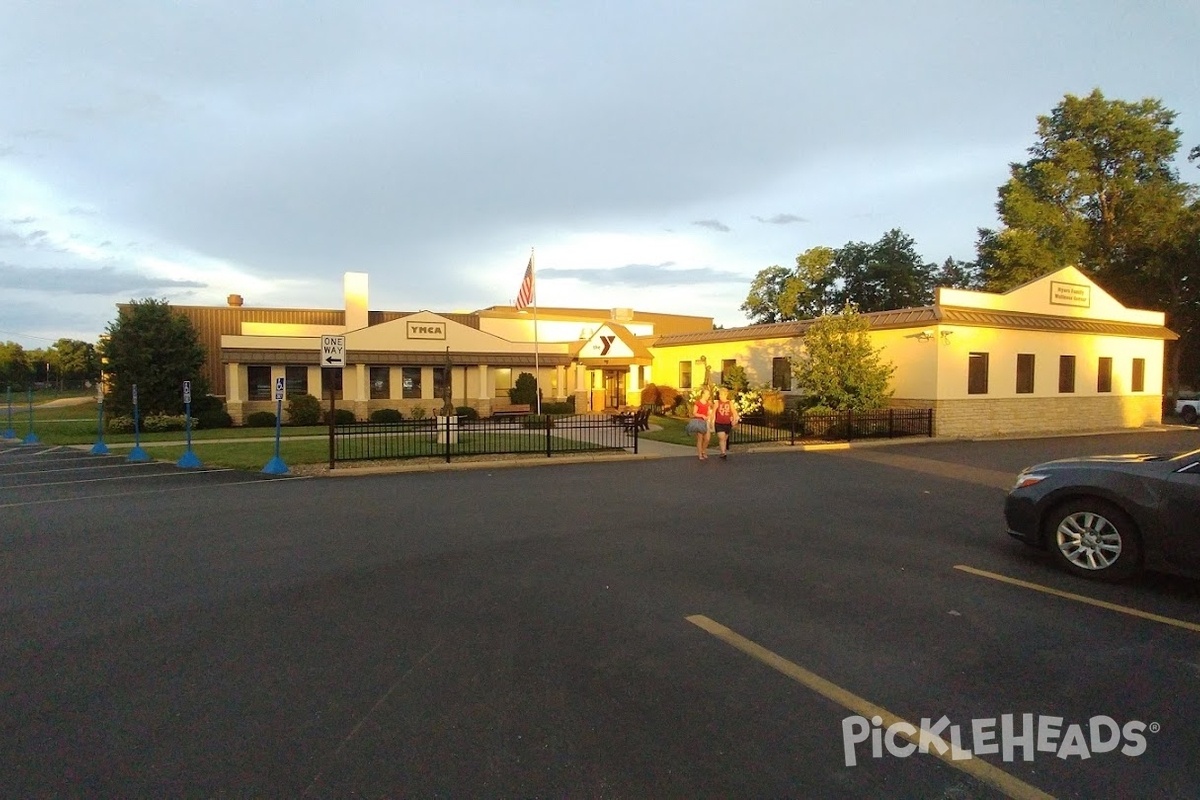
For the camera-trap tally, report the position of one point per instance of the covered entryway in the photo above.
(614, 387)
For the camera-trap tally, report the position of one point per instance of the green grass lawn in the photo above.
(248, 455)
(672, 431)
(59, 428)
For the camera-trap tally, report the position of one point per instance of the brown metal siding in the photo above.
(212, 322)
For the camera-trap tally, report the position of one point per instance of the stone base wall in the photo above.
(1015, 416)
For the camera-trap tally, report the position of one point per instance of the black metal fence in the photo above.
(844, 426)
(448, 437)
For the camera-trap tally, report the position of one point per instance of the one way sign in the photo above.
(333, 351)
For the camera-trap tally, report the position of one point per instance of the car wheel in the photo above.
(1188, 414)
(1094, 539)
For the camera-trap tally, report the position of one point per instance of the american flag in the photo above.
(525, 295)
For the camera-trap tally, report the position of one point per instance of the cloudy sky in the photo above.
(656, 154)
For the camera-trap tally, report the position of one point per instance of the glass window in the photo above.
(331, 378)
(1066, 374)
(1104, 375)
(258, 383)
(1139, 375)
(381, 383)
(977, 373)
(1025, 363)
(685, 374)
(411, 381)
(781, 373)
(502, 381)
(295, 380)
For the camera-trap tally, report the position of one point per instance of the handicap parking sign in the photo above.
(279, 388)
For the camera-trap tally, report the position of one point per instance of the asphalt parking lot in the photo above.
(662, 628)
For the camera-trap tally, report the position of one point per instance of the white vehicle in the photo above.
(1188, 409)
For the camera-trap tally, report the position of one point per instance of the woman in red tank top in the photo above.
(725, 416)
(702, 412)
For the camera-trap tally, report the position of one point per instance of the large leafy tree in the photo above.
(956, 274)
(151, 346)
(837, 366)
(1101, 192)
(15, 369)
(77, 360)
(885, 275)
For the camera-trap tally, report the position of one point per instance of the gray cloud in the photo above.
(781, 219)
(712, 225)
(89, 281)
(645, 275)
(22, 221)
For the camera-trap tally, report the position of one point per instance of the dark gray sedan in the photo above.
(1108, 517)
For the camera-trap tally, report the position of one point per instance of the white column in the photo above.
(580, 378)
(395, 383)
(485, 384)
(427, 384)
(314, 382)
(560, 381)
(233, 383)
(358, 383)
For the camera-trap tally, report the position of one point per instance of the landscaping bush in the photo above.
(669, 398)
(524, 391)
(209, 412)
(303, 409)
(650, 395)
(261, 419)
(466, 412)
(158, 423)
(343, 416)
(418, 412)
(682, 411)
(386, 415)
(558, 408)
(119, 424)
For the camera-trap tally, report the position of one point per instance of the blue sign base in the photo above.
(9, 433)
(138, 454)
(189, 460)
(99, 449)
(275, 467)
(30, 438)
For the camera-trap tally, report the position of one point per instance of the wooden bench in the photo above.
(635, 419)
(511, 411)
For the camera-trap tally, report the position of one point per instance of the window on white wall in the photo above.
(1139, 375)
(685, 374)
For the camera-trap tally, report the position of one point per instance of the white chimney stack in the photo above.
(355, 291)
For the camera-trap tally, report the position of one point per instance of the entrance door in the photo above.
(614, 387)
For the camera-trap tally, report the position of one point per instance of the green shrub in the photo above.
(303, 409)
(343, 416)
(524, 391)
(261, 419)
(119, 424)
(466, 412)
(209, 412)
(159, 423)
(418, 412)
(682, 411)
(537, 421)
(386, 415)
(558, 408)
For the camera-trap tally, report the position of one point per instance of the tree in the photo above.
(1100, 171)
(157, 349)
(955, 274)
(885, 275)
(838, 368)
(762, 304)
(809, 292)
(1100, 192)
(77, 361)
(15, 370)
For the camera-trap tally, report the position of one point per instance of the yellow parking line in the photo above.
(980, 770)
(1037, 587)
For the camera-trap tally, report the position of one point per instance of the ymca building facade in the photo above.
(1057, 354)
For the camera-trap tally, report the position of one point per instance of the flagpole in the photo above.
(537, 370)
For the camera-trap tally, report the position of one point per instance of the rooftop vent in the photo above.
(235, 300)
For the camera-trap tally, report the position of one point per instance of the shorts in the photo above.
(697, 426)
(724, 427)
